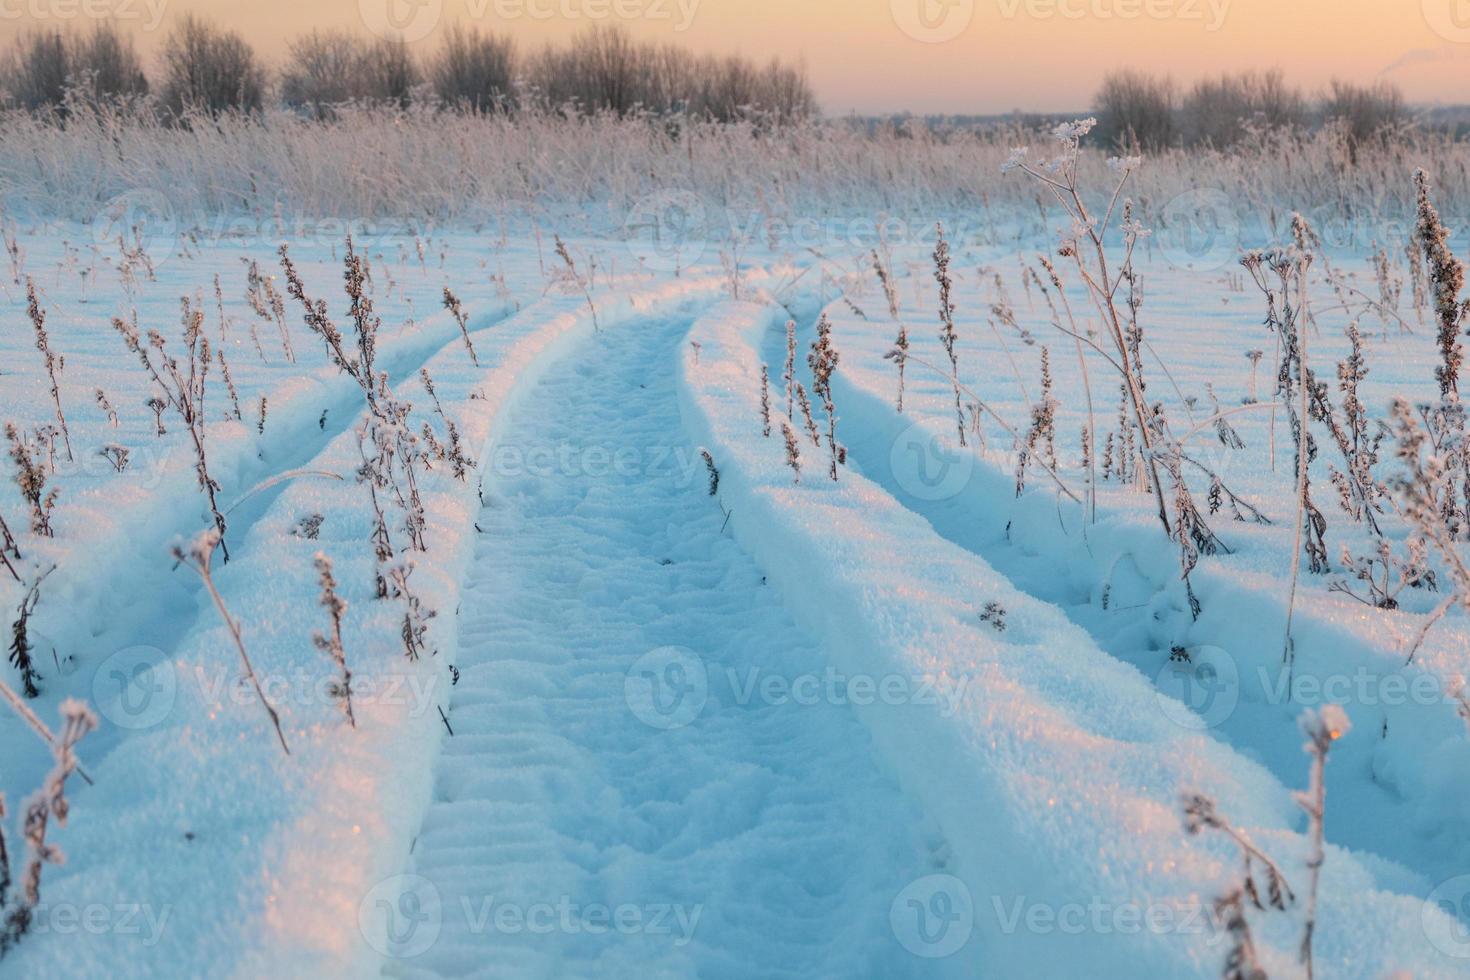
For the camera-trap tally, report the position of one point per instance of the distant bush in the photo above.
(1135, 109)
(1218, 111)
(206, 69)
(605, 70)
(474, 70)
(330, 69)
(46, 68)
(1364, 111)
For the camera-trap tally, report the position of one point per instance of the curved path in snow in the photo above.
(604, 809)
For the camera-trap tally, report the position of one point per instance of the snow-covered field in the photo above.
(631, 695)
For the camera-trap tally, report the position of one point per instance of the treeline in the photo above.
(203, 68)
(1136, 109)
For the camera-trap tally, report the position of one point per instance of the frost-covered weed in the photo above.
(1322, 728)
(47, 804)
(947, 335)
(184, 389)
(197, 558)
(823, 361)
(53, 363)
(330, 643)
(793, 452)
(456, 309)
(765, 401)
(30, 478)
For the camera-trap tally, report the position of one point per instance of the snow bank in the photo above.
(1056, 778)
(236, 854)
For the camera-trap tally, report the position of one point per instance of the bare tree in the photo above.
(206, 69)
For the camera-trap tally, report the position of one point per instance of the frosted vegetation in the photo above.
(417, 466)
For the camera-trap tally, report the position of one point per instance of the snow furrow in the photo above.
(1057, 781)
(732, 833)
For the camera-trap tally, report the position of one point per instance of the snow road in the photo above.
(627, 789)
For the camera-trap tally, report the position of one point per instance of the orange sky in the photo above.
(921, 55)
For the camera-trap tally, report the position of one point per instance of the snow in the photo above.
(1058, 785)
(776, 731)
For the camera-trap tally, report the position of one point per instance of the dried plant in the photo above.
(947, 335)
(158, 405)
(184, 389)
(1241, 962)
(106, 406)
(197, 558)
(453, 305)
(9, 549)
(117, 455)
(805, 404)
(20, 642)
(765, 401)
(793, 453)
(899, 353)
(267, 303)
(1446, 276)
(712, 470)
(53, 363)
(331, 643)
(576, 278)
(1322, 728)
(30, 477)
(1042, 434)
(823, 361)
(789, 375)
(453, 451)
(47, 804)
(224, 370)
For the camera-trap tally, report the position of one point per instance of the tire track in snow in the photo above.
(763, 833)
